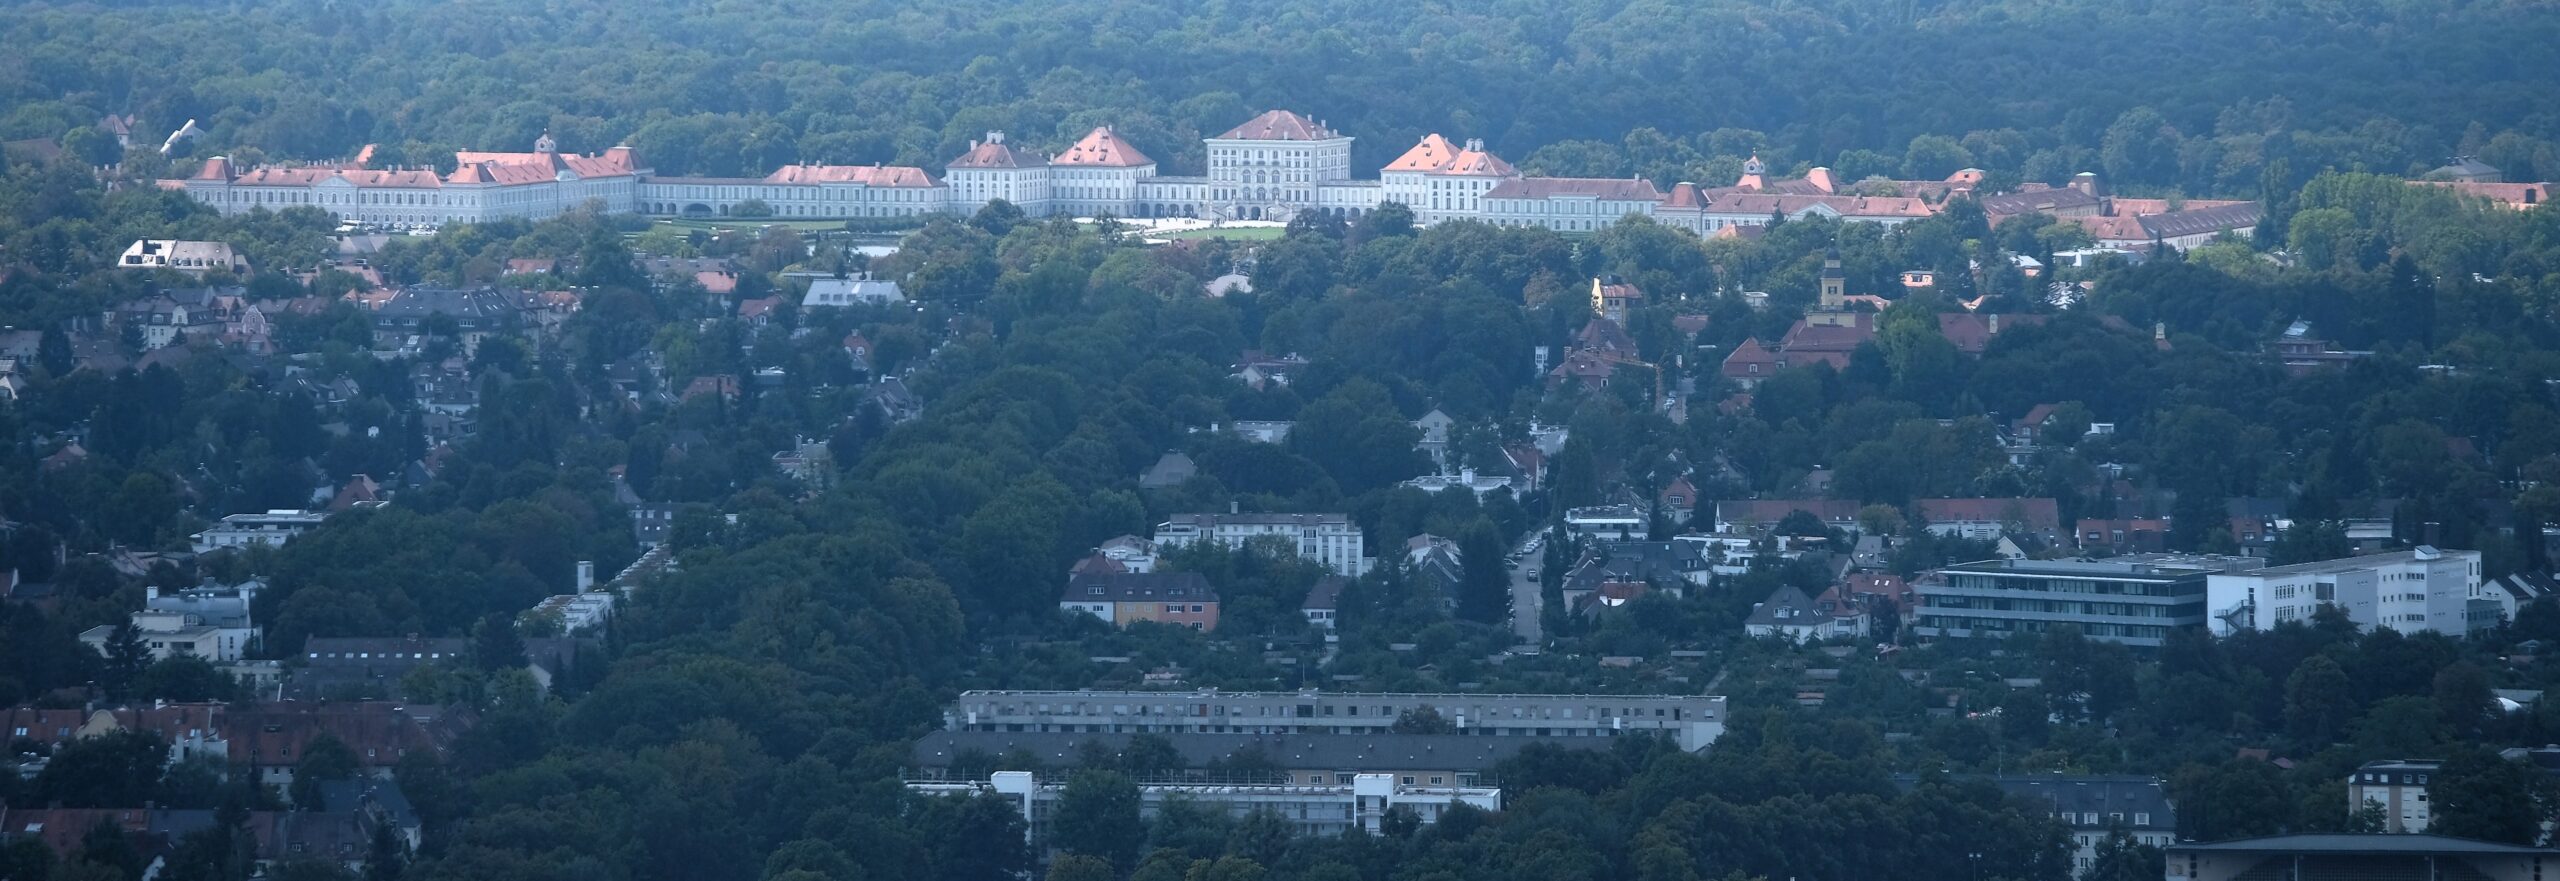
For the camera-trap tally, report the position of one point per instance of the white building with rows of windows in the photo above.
(1273, 167)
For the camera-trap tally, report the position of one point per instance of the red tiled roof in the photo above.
(1598, 187)
(279, 733)
(1971, 332)
(1479, 163)
(1432, 154)
(1684, 195)
(1750, 352)
(867, 175)
(2519, 195)
(1808, 338)
(2039, 515)
(1104, 148)
(992, 153)
(1278, 125)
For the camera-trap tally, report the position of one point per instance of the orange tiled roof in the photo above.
(1480, 163)
(1279, 125)
(1434, 153)
(1104, 148)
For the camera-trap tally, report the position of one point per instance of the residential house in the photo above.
(860, 289)
(1435, 427)
(169, 316)
(2395, 788)
(1787, 614)
(1620, 522)
(403, 319)
(1435, 563)
(2138, 535)
(1183, 599)
(2301, 353)
(2468, 170)
(1172, 469)
(1759, 515)
(1323, 605)
(1466, 478)
(1991, 518)
(2092, 806)
(890, 397)
(760, 311)
(1257, 369)
(192, 258)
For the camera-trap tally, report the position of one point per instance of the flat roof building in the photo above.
(1693, 721)
(2418, 590)
(2133, 600)
(2345, 857)
(1328, 809)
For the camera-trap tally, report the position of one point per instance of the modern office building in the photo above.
(1693, 721)
(2132, 600)
(2418, 590)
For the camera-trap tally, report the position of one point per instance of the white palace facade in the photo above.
(1273, 167)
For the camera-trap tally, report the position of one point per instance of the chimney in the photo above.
(151, 593)
(1233, 507)
(586, 575)
(2159, 330)
(1993, 325)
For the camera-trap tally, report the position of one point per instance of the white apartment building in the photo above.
(1693, 721)
(1312, 809)
(1330, 539)
(2397, 788)
(210, 621)
(270, 528)
(2419, 590)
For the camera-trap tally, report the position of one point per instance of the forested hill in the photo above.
(2191, 95)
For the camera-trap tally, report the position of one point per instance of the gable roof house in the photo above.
(1787, 614)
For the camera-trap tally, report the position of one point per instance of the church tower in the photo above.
(1835, 284)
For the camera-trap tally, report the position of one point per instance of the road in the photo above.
(1526, 594)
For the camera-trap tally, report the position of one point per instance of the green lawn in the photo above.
(1239, 233)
